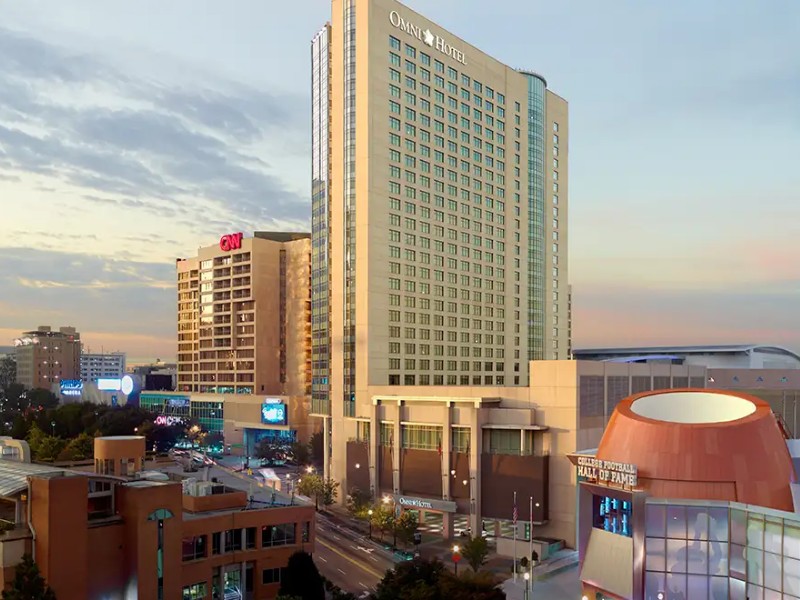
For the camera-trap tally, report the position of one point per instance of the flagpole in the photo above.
(530, 544)
(514, 520)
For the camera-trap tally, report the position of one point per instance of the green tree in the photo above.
(28, 583)
(405, 526)
(382, 518)
(80, 447)
(15, 399)
(475, 551)
(268, 449)
(358, 502)
(411, 580)
(20, 428)
(301, 578)
(312, 485)
(330, 491)
(50, 448)
(35, 438)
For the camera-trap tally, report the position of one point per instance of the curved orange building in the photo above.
(702, 444)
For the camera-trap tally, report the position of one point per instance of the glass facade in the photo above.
(320, 215)
(209, 414)
(721, 550)
(349, 334)
(536, 285)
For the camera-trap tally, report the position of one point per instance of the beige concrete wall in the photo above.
(298, 318)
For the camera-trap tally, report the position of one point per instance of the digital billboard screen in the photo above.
(273, 413)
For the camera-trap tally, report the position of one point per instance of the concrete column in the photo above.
(447, 438)
(326, 447)
(448, 525)
(421, 517)
(374, 447)
(397, 446)
(475, 451)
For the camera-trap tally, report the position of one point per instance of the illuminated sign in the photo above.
(607, 472)
(71, 387)
(231, 241)
(273, 413)
(168, 421)
(425, 503)
(126, 385)
(109, 385)
(180, 402)
(425, 36)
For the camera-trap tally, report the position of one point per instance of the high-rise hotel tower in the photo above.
(439, 238)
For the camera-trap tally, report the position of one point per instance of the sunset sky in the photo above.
(132, 133)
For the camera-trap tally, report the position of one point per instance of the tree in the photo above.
(358, 502)
(301, 454)
(475, 551)
(470, 586)
(78, 448)
(28, 583)
(411, 580)
(317, 446)
(382, 518)
(42, 398)
(428, 580)
(301, 578)
(312, 485)
(8, 372)
(50, 448)
(330, 490)
(35, 438)
(268, 450)
(20, 428)
(405, 526)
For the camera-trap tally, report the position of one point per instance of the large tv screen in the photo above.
(273, 413)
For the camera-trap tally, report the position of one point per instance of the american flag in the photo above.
(514, 514)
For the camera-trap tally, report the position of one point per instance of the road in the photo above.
(347, 559)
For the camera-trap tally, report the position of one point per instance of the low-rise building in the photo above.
(121, 532)
(95, 367)
(690, 494)
(46, 357)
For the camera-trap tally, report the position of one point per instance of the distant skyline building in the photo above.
(46, 357)
(439, 211)
(720, 356)
(95, 366)
(244, 316)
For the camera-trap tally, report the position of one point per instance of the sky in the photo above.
(133, 133)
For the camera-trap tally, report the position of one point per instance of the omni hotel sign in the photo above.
(424, 503)
(607, 472)
(425, 36)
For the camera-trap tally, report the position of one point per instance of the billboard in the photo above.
(273, 413)
(71, 387)
(105, 384)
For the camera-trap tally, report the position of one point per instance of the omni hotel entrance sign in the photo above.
(607, 472)
(425, 36)
(413, 503)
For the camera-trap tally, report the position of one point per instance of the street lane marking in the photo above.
(342, 572)
(336, 537)
(362, 585)
(369, 570)
(373, 558)
(322, 559)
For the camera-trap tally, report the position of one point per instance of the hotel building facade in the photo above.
(439, 239)
(244, 312)
(46, 357)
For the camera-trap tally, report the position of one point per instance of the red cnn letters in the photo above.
(230, 241)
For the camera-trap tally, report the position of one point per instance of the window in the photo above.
(271, 576)
(233, 540)
(394, 43)
(249, 538)
(194, 547)
(196, 591)
(278, 535)
(216, 542)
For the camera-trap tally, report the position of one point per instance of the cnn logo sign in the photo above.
(230, 241)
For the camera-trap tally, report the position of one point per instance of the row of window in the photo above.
(233, 540)
(452, 365)
(452, 351)
(199, 591)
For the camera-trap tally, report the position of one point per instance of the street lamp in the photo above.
(526, 576)
(456, 558)
(309, 469)
(369, 518)
(53, 424)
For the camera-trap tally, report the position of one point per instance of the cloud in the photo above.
(90, 292)
(143, 143)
